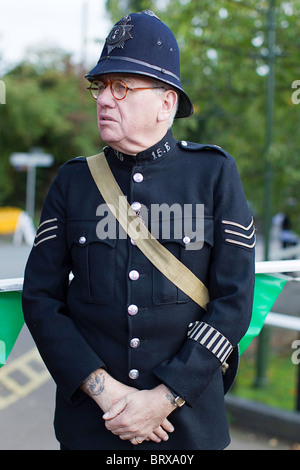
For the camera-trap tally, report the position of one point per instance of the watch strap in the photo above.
(178, 400)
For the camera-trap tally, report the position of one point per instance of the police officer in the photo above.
(135, 360)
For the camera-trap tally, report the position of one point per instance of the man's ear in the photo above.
(169, 100)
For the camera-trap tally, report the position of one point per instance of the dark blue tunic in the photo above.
(136, 325)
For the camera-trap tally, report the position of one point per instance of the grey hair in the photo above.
(162, 88)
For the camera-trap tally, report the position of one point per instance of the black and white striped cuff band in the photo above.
(210, 338)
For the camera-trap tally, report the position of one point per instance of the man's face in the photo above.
(129, 125)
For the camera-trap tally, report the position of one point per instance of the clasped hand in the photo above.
(131, 414)
(141, 414)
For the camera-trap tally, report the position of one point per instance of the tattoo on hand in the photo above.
(170, 398)
(95, 383)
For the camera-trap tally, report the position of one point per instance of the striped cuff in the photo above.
(210, 338)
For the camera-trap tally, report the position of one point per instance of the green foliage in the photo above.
(281, 389)
(223, 46)
(48, 107)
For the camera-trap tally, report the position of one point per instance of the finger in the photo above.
(153, 437)
(160, 434)
(119, 428)
(136, 441)
(126, 437)
(167, 425)
(115, 410)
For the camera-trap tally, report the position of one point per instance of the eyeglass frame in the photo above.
(111, 82)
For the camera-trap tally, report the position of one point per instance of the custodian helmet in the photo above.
(142, 44)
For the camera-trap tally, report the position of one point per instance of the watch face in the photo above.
(179, 401)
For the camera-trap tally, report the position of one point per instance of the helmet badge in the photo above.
(119, 34)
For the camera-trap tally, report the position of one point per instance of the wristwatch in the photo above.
(178, 401)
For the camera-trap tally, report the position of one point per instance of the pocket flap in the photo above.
(186, 232)
(83, 232)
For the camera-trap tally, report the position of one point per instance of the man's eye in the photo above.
(119, 86)
(100, 86)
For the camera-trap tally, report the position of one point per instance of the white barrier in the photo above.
(11, 285)
(261, 267)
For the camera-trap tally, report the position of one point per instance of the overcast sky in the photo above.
(51, 23)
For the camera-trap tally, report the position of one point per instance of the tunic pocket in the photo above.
(93, 262)
(195, 255)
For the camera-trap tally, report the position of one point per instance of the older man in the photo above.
(135, 360)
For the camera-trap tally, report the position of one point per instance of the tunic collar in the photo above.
(153, 154)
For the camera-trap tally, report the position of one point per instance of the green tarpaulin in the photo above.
(11, 322)
(267, 289)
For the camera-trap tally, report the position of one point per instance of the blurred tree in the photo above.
(49, 107)
(223, 68)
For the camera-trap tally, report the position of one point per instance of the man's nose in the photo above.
(106, 98)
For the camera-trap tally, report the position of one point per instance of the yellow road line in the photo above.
(12, 390)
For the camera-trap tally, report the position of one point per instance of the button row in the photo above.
(134, 276)
(134, 343)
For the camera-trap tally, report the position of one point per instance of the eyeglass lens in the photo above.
(118, 89)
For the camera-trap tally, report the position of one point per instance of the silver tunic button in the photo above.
(186, 240)
(135, 342)
(132, 310)
(134, 374)
(184, 143)
(138, 177)
(82, 240)
(134, 275)
(136, 206)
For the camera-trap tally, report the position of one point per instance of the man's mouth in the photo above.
(106, 118)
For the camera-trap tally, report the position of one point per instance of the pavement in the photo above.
(26, 423)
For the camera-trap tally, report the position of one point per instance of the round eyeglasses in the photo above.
(118, 88)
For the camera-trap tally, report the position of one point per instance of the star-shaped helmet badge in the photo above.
(119, 34)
